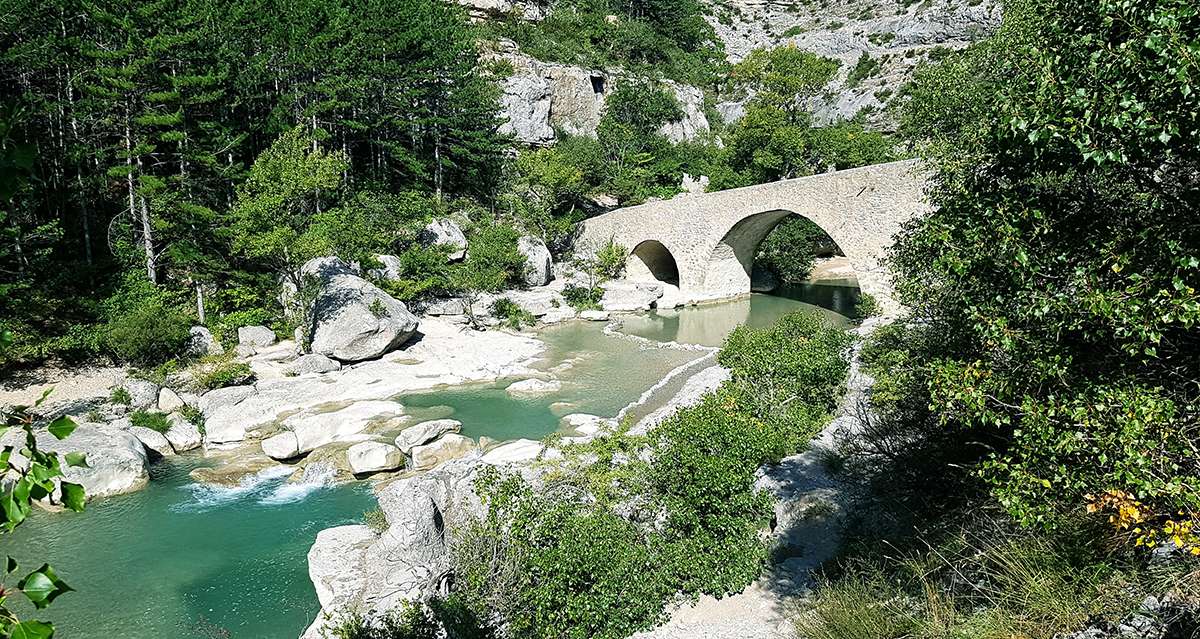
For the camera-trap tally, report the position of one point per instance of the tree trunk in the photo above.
(200, 302)
(148, 243)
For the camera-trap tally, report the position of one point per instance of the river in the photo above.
(187, 560)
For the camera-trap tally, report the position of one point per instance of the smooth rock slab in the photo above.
(306, 432)
(531, 387)
(374, 457)
(516, 452)
(152, 440)
(425, 432)
(594, 316)
(447, 448)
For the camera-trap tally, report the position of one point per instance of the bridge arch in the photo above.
(651, 260)
(714, 237)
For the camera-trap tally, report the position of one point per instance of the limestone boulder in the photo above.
(335, 566)
(313, 363)
(533, 387)
(354, 320)
(391, 268)
(374, 457)
(444, 449)
(305, 432)
(117, 460)
(594, 316)
(540, 269)
(447, 306)
(256, 336)
(183, 434)
(425, 432)
(228, 396)
(445, 232)
(625, 295)
(143, 394)
(169, 400)
(154, 441)
(202, 343)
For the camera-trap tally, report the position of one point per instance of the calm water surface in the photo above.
(180, 559)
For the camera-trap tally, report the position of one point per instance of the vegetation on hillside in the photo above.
(1033, 442)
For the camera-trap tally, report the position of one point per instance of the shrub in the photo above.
(155, 421)
(148, 334)
(494, 263)
(376, 520)
(867, 306)
(193, 415)
(120, 396)
(424, 272)
(513, 315)
(790, 249)
(581, 298)
(610, 260)
(220, 371)
(226, 328)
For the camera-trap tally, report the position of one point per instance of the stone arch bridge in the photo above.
(706, 243)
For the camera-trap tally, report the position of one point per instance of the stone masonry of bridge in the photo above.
(706, 243)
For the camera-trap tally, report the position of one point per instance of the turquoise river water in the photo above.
(187, 560)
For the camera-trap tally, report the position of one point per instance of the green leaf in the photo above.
(62, 427)
(78, 460)
(72, 496)
(32, 630)
(42, 586)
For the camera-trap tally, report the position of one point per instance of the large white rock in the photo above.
(625, 295)
(117, 460)
(313, 363)
(354, 320)
(335, 565)
(540, 265)
(169, 400)
(425, 432)
(446, 448)
(308, 431)
(203, 343)
(183, 434)
(515, 452)
(374, 457)
(445, 231)
(533, 387)
(152, 440)
(228, 396)
(143, 394)
(256, 336)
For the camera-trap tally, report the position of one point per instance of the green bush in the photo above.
(494, 263)
(610, 260)
(513, 315)
(867, 306)
(155, 421)
(227, 326)
(220, 371)
(120, 396)
(582, 298)
(148, 334)
(193, 415)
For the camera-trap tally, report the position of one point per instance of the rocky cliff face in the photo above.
(879, 43)
(897, 35)
(542, 98)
